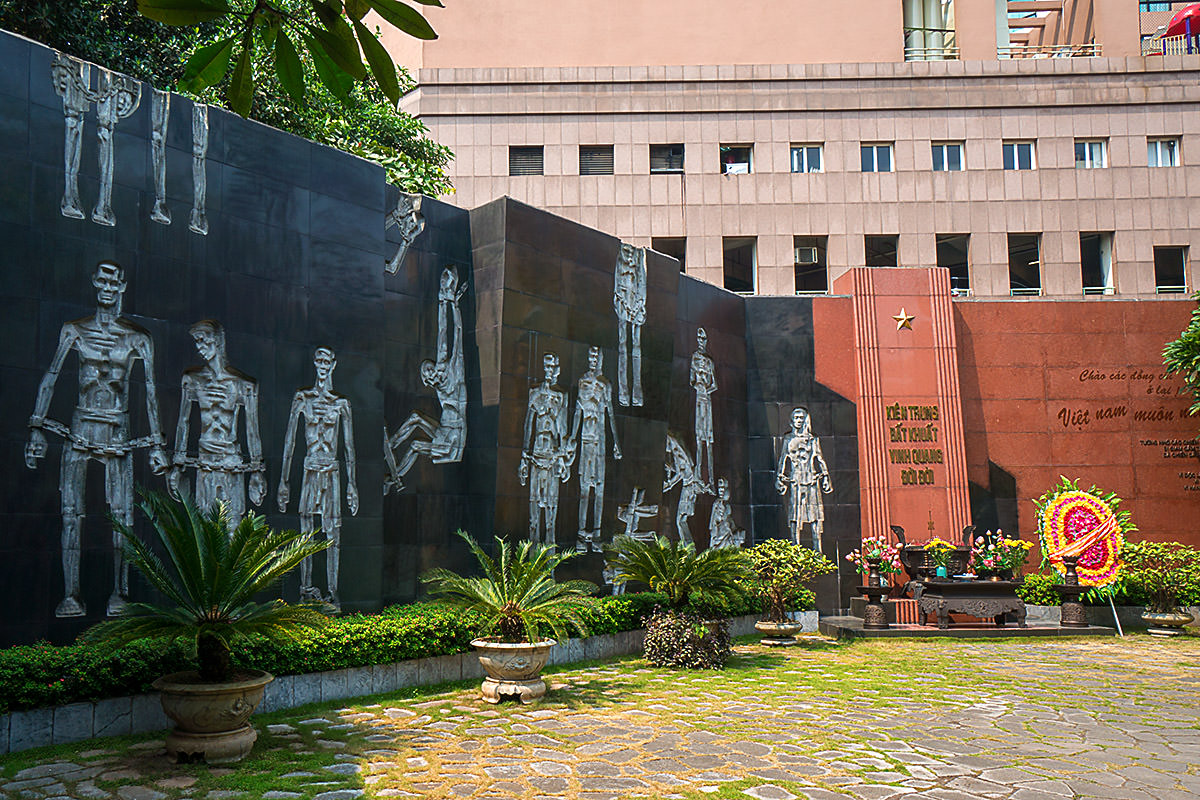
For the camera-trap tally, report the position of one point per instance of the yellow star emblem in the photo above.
(904, 319)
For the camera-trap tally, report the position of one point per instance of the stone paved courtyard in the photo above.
(1027, 720)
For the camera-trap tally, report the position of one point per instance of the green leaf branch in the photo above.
(343, 49)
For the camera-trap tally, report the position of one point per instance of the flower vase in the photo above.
(941, 572)
(874, 615)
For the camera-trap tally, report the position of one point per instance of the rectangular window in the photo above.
(947, 156)
(881, 250)
(1147, 6)
(740, 264)
(1170, 270)
(525, 160)
(736, 159)
(1162, 152)
(806, 158)
(1024, 264)
(1019, 155)
(666, 158)
(1091, 154)
(812, 272)
(673, 246)
(952, 255)
(1095, 263)
(877, 157)
(595, 159)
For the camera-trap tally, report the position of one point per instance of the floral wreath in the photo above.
(1085, 524)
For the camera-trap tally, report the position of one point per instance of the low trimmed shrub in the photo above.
(680, 639)
(42, 675)
(1038, 589)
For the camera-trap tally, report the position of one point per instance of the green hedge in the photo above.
(1038, 589)
(45, 675)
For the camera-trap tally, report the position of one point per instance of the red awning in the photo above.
(1178, 25)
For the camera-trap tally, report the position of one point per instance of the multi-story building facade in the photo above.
(1028, 146)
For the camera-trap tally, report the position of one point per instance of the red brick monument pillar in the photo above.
(912, 460)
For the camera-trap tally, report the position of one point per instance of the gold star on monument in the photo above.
(904, 319)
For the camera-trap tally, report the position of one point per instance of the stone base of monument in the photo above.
(851, 627)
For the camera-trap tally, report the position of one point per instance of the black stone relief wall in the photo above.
(546, 285)
(722, 314)
(294, 260)
(780, 369)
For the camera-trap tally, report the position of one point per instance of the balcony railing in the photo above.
(948, 53)
(1087, 50)
(1171, 46)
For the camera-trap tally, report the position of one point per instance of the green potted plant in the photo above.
(210, 577)
(693, 582)
(517, 598)
(938, 553)
(782, 569)
(1159, 571)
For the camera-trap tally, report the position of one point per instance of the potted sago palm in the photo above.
(782, 569)
(210, 577)
(517, 598)
(693, 582)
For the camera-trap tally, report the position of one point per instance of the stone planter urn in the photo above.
(211, 718)
(513, 668)
(778, 634)
(1166, 624)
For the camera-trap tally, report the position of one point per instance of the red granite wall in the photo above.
(1076, 388)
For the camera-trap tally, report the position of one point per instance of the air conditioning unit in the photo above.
(806, 255)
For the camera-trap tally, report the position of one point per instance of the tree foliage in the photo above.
(1182, 356)
(712, 578)
(359, 117)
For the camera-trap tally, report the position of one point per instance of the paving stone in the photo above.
(769, 791)
(139, 793)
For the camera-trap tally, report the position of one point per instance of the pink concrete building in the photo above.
(1027, 146)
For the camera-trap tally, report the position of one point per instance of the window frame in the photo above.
(875, 148)
(595, 150)
(803, 148)
(962, 160)
(529, 149)
(727, 148)
(1157, 142)
(1088, 161)
(1016, 144)
(669, 170)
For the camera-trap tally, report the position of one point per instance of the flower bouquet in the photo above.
(877, 549)
(937, 555)
(994, 556)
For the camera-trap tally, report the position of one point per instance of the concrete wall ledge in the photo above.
(120, 716)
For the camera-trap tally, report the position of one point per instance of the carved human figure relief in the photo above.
(629, 301)
(223, 395)
(445, 440)
(680, 471)
(801, 477)
(117, 96)
(546, 457)
(160, 117)
(107, 347)
(704, 381)
(722, 532)
(326, 418)
(72, 82)
(593, 409)
(199, 218)
(407, 218)
(633, 512)
(609, 574)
